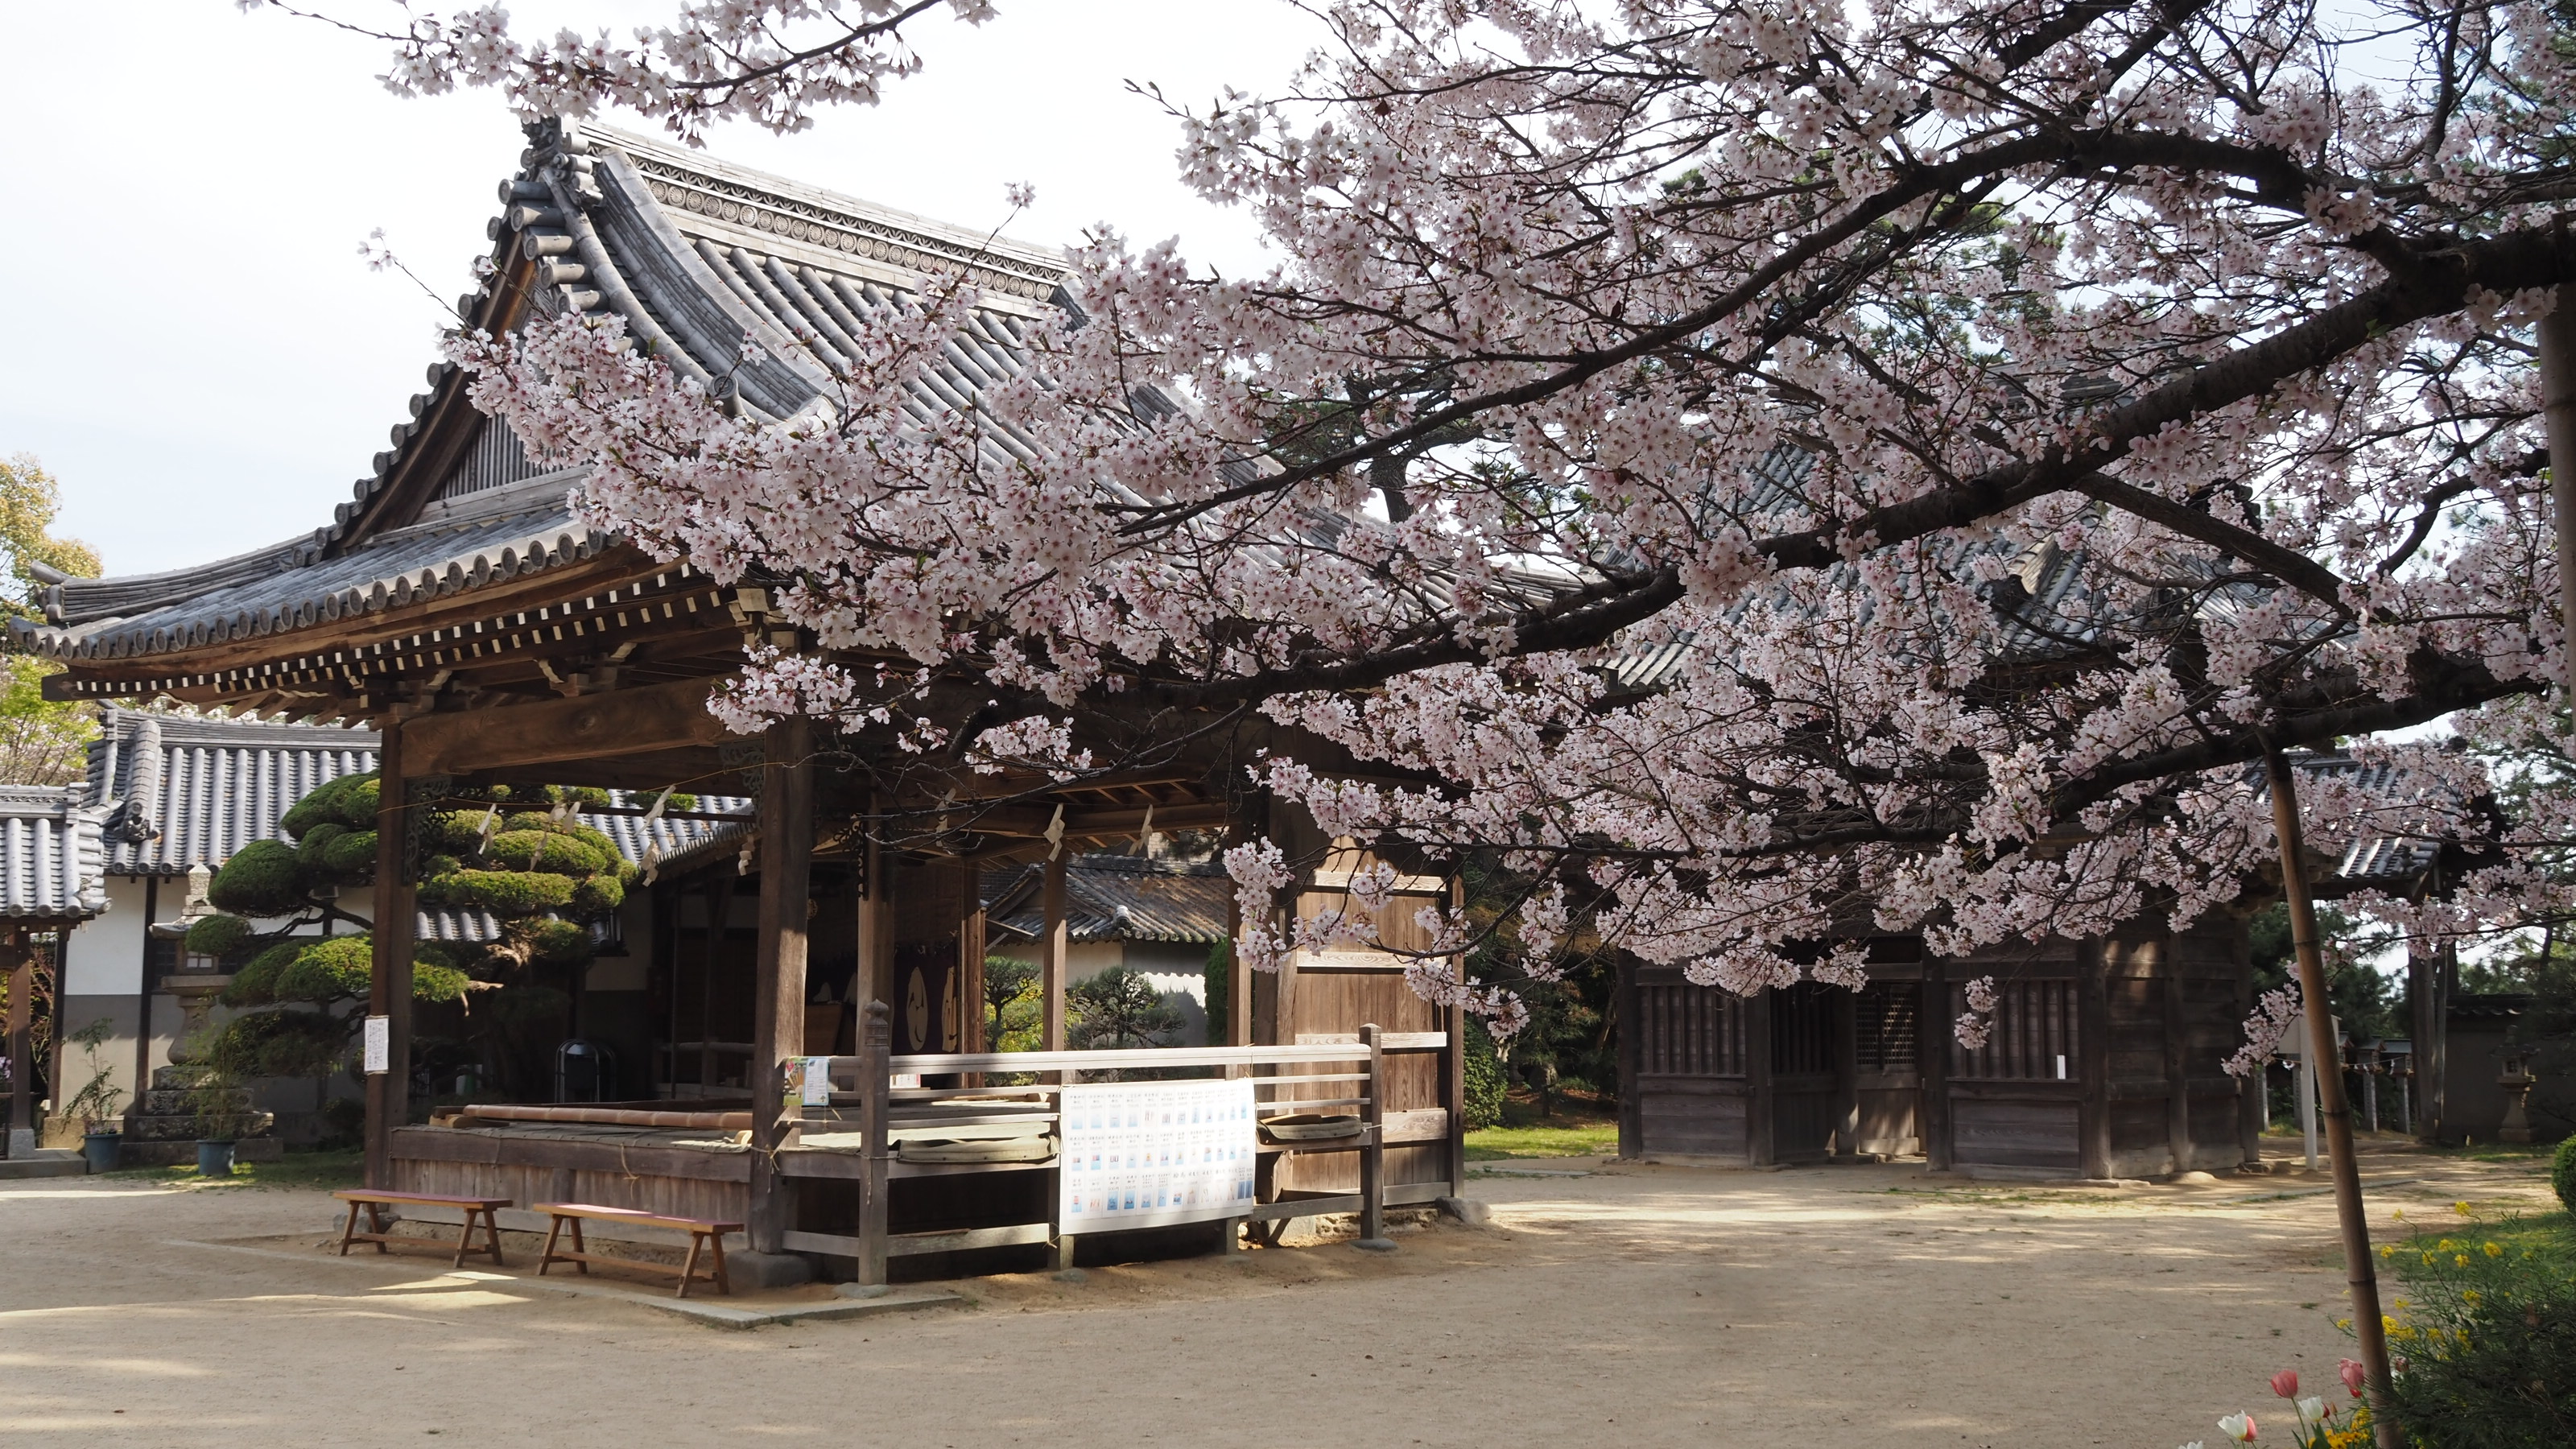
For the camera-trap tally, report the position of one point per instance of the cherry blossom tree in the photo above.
(1771, 471)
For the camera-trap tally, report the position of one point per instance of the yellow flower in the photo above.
(2428, 1260)
(2388, 1250)
(2494, 1252)
(2461, 1208)
(2469, 1296)
(2400, 1215)
(2459, 1260)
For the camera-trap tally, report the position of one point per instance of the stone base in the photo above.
(171, 1153)
(1467, 1210)
(768, 1270)
(44, 1162)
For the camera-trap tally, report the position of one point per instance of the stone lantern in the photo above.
(199, 979)
(2517, 1082)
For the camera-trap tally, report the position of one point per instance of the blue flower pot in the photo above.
(101, 1149)
(214, 1159)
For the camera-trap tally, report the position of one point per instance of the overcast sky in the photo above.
(195, 349)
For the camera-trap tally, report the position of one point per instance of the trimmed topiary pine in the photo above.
(2562, 1173)
(540, 874)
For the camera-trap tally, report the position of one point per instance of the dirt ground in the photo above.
(1633, 1305)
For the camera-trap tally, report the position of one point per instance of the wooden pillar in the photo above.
(1052, 946)
(719, 924)
(778, 1000)
(1846, 1072)
(2428, 980)
(1760, 1150)
(2093, 1058)
(873, 980)
(970, 966)
(1373, 1144)
(1932, 1056)
(876, 1033)
(396, 921)
(22, 1059)
(2177, 1064)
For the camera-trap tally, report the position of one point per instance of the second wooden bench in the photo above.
(704, 1237)
(375, 1202)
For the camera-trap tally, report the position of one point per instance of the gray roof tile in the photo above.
(49, 854)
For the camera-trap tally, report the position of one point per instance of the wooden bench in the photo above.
(704, 1236)
(375, 1202)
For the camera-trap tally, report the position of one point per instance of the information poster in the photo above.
(1142, 1154)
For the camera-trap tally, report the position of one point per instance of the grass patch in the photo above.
(320, 1170)
(1579, 1125)
(1494, 1144)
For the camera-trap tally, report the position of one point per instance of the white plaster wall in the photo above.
(103, 956)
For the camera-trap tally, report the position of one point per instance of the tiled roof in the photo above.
(1120, 898)
(177, 792)
(697, 257)
(49, 854)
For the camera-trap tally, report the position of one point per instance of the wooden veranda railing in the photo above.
(1308, 1077)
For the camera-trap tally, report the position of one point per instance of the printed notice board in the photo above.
(1142, 1154)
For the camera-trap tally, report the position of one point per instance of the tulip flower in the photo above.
(2286, 1383)
(2239, 1427)
(2353, 1376)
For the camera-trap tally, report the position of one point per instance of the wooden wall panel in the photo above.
(1693, 1117)
(2014, 1133)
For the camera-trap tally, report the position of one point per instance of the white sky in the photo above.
(195, 349)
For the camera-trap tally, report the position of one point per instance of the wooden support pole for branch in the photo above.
(396, 919)
(1373, 1144)
(2361, 1273)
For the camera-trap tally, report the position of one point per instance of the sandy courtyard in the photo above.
(1642, 1305)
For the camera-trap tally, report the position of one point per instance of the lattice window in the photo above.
(1802, 1029)
(1890, 1022)
(1691, 1031)
(2033, 1038)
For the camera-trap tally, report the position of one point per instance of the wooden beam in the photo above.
(778, 1002)
(592, 726)
(395, 919)
(1053, 941)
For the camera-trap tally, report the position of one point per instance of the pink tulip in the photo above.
(2286, 1383)
(2353, 1377)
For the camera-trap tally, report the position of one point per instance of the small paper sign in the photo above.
(904, 1080)
(815, 1076)
(380, 1044)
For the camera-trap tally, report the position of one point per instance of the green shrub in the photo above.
(563, 853)
(1486, 1087)
(219, 936)
(2562, 1173)
(333, 968)
(255, 984)
(262, 879)
(286, 1042)
(507, 894)
(558, 943)
(349, 801)
(597, 897)
(2489, 1338)
(431, 981)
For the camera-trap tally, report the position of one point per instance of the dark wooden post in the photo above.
(1760, 1130)
(876, 1036)
(1051, 957)
(1846, 1072)
(778, 1000)
(2093, 1057)
(396, 921)
(1932, 1055)
(2177, 1064)
(719, 924)
(1373, 1141)
(22, 1059)
(2361, 1274)
(874, 978)
(970, 967)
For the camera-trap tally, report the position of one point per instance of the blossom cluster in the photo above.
(1777, 470)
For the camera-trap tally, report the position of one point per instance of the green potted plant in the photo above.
(221, 1105)
(95, 1103)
